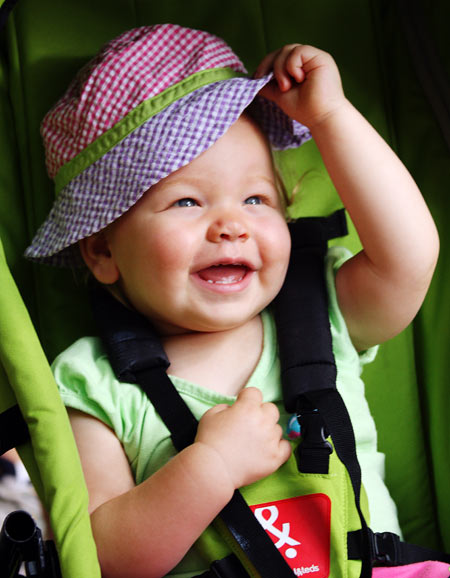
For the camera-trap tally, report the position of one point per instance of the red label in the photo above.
(300, 529)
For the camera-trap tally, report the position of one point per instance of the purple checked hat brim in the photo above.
(167, 141)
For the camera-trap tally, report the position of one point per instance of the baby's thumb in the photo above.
(216, 409)
(285, 451)
(270, 90)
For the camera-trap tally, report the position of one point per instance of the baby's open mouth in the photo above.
(224, 274)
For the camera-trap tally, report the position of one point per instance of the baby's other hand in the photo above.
(306, 85)
(246, 436)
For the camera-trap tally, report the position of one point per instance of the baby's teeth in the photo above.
(224, 281)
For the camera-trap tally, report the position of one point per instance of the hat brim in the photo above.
(171, 139)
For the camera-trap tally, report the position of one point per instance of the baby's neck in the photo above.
(221, 361)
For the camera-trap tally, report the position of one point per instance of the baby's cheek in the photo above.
(170, 251)
(279, 247)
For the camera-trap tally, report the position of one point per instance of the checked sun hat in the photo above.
(151, 101)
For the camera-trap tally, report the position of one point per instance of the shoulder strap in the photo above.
(308, 364)
(301, 310)
(137, 356)
(309, 384)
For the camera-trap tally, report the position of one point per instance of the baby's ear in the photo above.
(97, 256)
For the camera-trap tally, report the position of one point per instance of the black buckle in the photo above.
(385, 547)
(313, 453)
(229, 567)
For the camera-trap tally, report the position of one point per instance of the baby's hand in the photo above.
(306, 86)
(246, 436)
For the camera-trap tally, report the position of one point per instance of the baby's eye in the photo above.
(187, 202)
(254, 200)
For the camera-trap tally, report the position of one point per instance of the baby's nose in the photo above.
(227, 229)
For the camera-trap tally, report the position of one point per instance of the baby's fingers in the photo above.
(251, 395)
(285, 451)
(288, 66)
(217, 408)
(266, 65)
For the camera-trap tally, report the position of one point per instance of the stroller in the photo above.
(394, 59)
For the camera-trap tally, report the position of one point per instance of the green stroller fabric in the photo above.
(46, 42)
(50, 457)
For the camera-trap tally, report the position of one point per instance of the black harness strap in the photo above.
(167, 403)
(137, 356)
(309, 385)
(301, 311)
(304, 335)
(337, 421)
(308, 364)
(229, 567)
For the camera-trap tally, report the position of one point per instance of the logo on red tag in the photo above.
(300, 529)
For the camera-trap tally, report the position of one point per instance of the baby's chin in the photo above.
(206, 326)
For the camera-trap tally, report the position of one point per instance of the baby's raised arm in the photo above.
(381, 289)
(145, 530)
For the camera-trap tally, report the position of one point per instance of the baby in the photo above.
(167, 190)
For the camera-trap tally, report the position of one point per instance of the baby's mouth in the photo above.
(224, 274)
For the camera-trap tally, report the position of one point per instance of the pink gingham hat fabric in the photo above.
(151, 101)
(132, 68)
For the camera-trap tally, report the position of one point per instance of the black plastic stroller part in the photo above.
(21, 543)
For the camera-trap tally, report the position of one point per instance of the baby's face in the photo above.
(207, 248)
